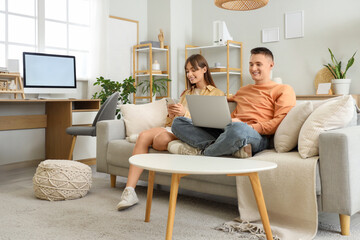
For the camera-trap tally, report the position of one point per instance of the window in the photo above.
(50, 26)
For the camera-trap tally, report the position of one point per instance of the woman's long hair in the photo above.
(197, 61)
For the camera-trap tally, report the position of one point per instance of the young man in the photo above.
(260, 109)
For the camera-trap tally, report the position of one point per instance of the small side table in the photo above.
(183, 165)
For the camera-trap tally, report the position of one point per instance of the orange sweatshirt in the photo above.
(263, 106)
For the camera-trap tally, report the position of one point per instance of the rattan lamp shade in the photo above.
(241, 5)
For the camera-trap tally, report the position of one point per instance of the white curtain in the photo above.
(97, 59)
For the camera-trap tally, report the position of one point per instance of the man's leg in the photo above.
(236, 136)
(197, 137)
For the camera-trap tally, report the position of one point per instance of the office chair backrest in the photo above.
(108, 109)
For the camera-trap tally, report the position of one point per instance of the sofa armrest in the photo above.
(339, 170)
(107, 131)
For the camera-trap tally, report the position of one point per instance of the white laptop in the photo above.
(209, 111)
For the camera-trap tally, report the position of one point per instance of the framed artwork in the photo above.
(294, 24)
(270, 35)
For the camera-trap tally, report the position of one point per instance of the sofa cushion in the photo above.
(140, 117)
(287, 134)
(330, 115)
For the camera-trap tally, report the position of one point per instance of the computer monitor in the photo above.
(46, 74)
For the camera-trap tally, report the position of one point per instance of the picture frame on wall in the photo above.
(270, 35)
(294, 24)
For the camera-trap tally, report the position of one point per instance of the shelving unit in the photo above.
(228, 71)
(149, 73)
(19, 89)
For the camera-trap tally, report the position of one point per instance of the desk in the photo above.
(57, 117)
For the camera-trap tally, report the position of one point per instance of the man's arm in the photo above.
(283, 104)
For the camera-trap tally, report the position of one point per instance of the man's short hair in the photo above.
(262, 50)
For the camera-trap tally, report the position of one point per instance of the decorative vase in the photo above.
(341, 86)
(12, 85)
(156, 65)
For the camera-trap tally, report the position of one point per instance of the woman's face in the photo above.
(195, 75)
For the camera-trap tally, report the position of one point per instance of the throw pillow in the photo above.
(287, 134)
(141, 117)
(330, 115)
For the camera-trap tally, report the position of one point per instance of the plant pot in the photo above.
(341, 86)
(154, 97)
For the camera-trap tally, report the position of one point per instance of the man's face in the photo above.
(260, 68)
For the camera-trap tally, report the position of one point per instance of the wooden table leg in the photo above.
(149, 195)
(175, 180)
(345, 224)
(256, 186)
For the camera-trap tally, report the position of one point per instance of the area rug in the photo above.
(95, 216)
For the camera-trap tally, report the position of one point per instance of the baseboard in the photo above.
(18, 165)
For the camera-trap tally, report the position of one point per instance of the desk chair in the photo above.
(106, 112)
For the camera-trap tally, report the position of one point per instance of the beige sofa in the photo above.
(337, 186)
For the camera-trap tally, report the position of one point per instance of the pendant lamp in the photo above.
(240, 5)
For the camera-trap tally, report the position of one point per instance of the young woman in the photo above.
(200, 82)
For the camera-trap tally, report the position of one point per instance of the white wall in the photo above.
(135, 10)
(328, 24)
(181, 34)
(158, 18)
(175, 18)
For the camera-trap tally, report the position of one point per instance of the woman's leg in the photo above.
(144, 141)
(162, 139)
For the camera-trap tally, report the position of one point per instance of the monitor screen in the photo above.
(49, 71)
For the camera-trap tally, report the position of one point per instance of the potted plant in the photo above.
(340, 83)
(109, 87)
(159, 86)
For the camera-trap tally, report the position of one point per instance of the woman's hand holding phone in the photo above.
(170, 101)
(176, 109)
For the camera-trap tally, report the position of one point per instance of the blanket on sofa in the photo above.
(290, 197)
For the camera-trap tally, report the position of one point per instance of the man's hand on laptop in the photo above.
(176, 109)
(235, 120)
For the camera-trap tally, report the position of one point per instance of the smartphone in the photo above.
(170, 101)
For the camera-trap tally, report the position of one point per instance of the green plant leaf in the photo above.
(336, 68)
(330, 69)
(109, 87)
(333, 59)
(350, 63)
(158, 85)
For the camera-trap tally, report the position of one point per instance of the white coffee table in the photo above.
(182, 165)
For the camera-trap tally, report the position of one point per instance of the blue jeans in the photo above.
(219, 142)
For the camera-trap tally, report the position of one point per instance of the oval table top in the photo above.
(198, 164)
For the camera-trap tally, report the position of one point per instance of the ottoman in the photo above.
(62, 180)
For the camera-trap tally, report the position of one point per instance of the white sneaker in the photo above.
(179, 147)
(128, 199)
(244, 152)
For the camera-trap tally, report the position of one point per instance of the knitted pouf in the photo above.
(61, 180)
